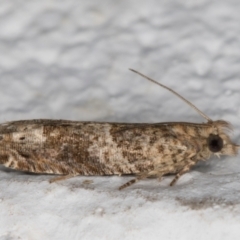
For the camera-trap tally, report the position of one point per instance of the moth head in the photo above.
(219, 142)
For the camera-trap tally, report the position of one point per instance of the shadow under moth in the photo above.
(71, 148)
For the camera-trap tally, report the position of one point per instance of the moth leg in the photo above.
(160, 176)
(131, 182)
(184, 170)
(60, 178)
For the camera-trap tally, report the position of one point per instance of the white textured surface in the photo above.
(70, 59)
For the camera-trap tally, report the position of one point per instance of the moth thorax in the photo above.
(215, 143)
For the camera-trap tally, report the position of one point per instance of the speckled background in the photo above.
(70, 59)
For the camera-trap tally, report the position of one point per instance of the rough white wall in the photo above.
(69, 60)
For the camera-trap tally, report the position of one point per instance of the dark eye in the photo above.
(215, 143)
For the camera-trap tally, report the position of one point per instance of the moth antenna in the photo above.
(175, 93)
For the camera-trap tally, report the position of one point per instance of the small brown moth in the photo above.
(73, 148)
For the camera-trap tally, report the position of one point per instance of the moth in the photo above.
(71, 148)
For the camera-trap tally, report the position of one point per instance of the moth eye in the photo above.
(215, 143)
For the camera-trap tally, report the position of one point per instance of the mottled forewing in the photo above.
(90, 148)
